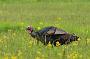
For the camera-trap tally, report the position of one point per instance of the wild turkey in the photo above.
(53, 35)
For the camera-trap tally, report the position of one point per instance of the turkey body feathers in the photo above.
(53, 34)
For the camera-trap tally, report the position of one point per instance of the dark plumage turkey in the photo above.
(52, 34)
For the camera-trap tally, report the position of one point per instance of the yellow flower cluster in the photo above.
(75, 43)
(57, 44)
(1, 41)
(73, 55)
(12, 57)
(38, 28)
(59, 18)
(6, 57)
(30, 44)
(41, 23)
(19, 53)
(88, 41)
(9, 56)
(49, 44)
(21, 23)
(37, 57)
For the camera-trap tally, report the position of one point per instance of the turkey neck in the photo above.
(33, 34)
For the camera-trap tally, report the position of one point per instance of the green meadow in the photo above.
(71, 15)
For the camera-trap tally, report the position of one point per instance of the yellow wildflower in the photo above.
(5, 37)
(38, 52)
(59, 54)
(21, 23)
(88, 41)
(43, 56)
(14, 57)
(9, 30)
(30, 44)
(41, 23)
(57, 44)
(75, 43)
(79, 39)
(19, 52)
(65, 46)
(38, 28)
(37, 57)
(1, 40)
(6, 57)
(49, 44)
(59, 18)
(57, 24)
(80, 56)
(73, 55)
(14, 34)
(5, 46)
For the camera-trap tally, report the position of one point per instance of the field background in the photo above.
(71, 15)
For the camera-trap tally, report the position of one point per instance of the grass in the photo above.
(70, 15)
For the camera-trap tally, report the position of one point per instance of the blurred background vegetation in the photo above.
(71, 15)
